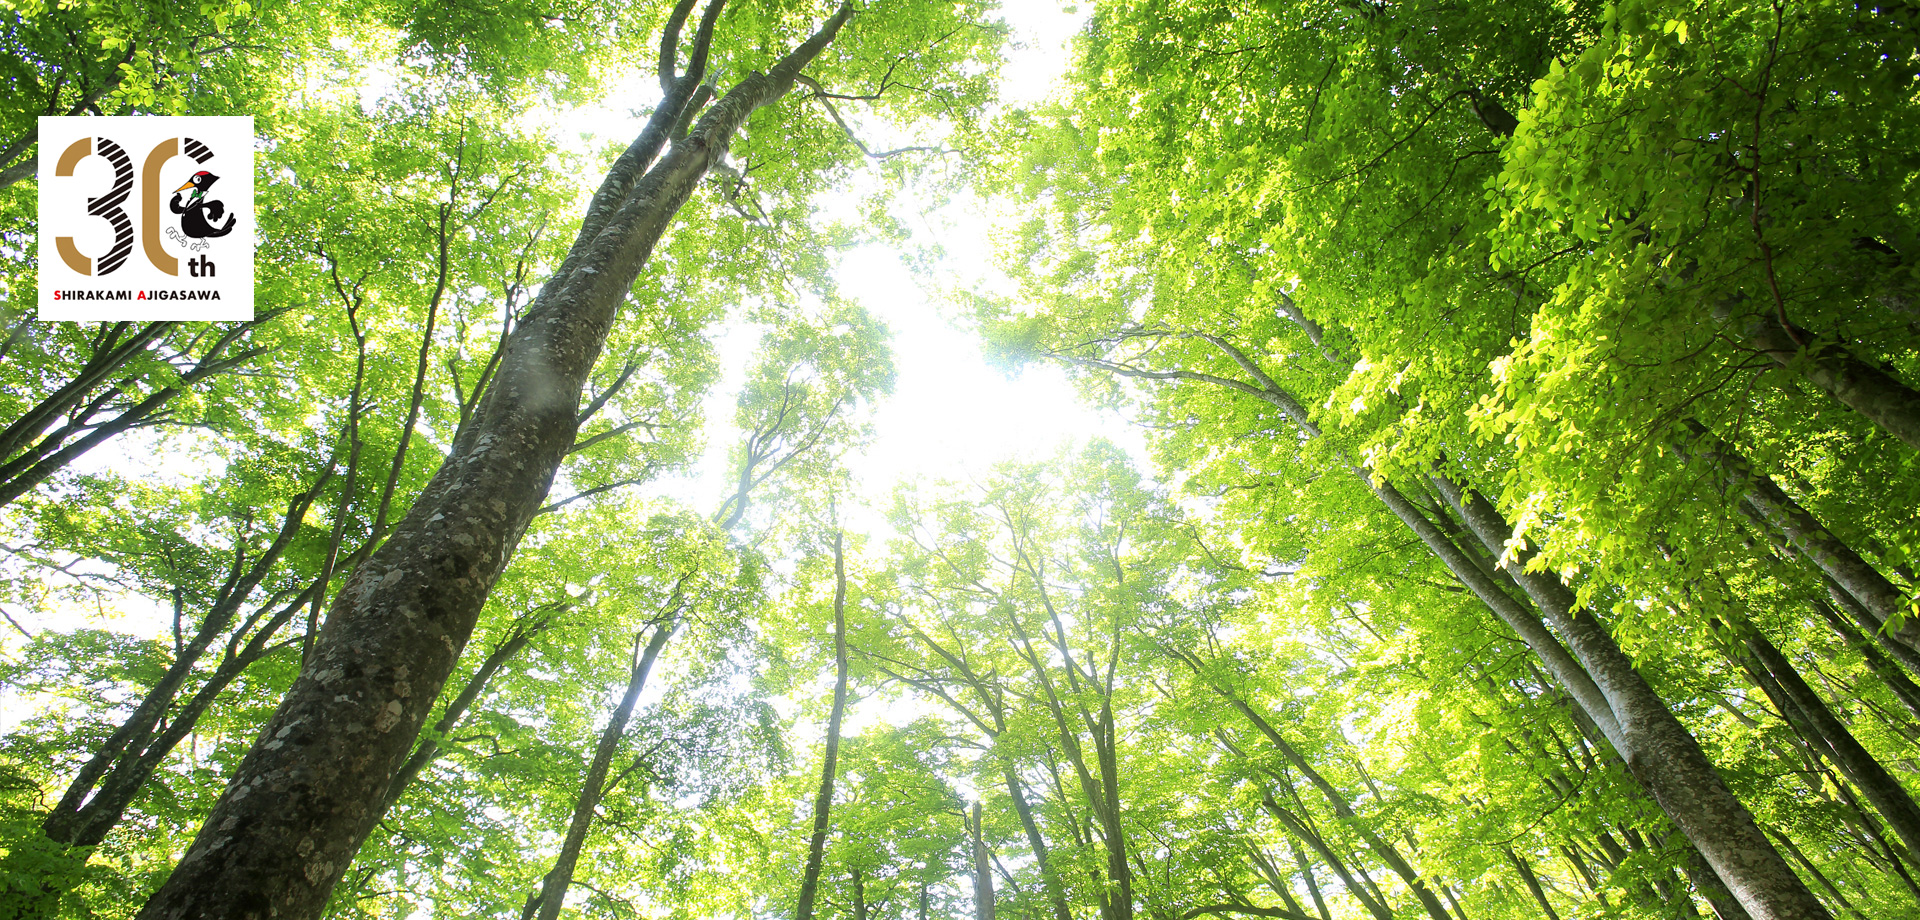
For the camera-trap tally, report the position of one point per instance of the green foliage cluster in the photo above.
(1545, 251)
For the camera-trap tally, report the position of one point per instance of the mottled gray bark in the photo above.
(429, 748)
(314, 784)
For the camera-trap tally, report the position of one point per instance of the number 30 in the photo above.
(108, 207)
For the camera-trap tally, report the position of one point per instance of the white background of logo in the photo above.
(63, 212)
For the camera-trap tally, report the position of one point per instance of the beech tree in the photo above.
(1524, 526)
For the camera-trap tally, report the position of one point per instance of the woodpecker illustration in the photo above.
(198, 215)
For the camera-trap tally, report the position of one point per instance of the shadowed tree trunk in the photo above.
(1768, 503)
(1809, 715)
(315, 782)
(1858, 385)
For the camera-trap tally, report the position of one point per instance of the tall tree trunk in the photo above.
(1056, 894)
(1658, 750)
(1342, 808)
(1827, 735)
(1882, 667)
(314, 784)
(1306, 876)
(823, 802)
(545, 904)
(1858, 385)
(982, 868)
(1865, 620)
(1772, 505)
(1533, 883)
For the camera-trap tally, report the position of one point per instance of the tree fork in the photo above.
(313, 786)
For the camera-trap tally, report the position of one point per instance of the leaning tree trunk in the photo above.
(1768, 503)
(1879, 396)
(545, 903)
(1658, 750)
(314, 784)
(1808, 714)
(1660, 753)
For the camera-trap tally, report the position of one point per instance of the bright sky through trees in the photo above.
(1500, 505)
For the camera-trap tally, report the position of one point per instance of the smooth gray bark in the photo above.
(1658, 750)
(1831, 366)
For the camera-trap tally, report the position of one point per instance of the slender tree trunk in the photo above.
(823, 802)
(35, 457)
(315, 782)
(546, 903)
(1864, 619)
(1660, 753)
(1834, 742)
(1342, 808)
(982, 868)
(1770, 504)
(1882, 667)
(113, 348)
(1858, 385)
(1056, 894)
(1306, 876)
(1100, 790)
(1297, 826)
(429, 748)
(1533, 883)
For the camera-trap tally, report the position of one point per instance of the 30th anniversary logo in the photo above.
(146, 218)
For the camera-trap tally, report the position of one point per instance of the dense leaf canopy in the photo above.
(1524, 528)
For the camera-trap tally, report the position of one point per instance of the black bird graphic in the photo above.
(198, 215)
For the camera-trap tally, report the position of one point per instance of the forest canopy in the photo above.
(1507, 506)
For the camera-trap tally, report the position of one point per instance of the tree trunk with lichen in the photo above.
(314, 784)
